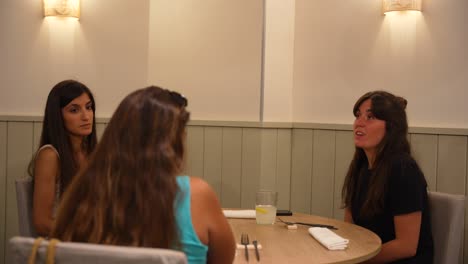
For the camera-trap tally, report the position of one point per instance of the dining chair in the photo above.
(447, 220)
(24, 196)
(77, 253)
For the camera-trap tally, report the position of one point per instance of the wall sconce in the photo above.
(401, 5)
(63, 8)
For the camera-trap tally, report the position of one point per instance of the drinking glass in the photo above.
(265, 207)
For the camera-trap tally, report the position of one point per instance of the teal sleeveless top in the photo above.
(193, 248)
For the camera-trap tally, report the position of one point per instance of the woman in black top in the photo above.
(385, 190)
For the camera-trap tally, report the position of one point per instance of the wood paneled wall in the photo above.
(305, 163)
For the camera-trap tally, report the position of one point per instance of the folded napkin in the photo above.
(239, 213)
(328, 238)
(249, 246)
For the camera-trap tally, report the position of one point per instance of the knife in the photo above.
(256, 250)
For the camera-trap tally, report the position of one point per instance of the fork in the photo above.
(245, 242)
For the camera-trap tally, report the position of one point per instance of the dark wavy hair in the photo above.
(126, 194)
(391, 109)
(55, 133)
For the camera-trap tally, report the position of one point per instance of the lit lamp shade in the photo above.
(63, 8)
(401, 5)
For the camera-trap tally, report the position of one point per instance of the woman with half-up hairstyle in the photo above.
(385, 190)
(130, 194)
(68, 138)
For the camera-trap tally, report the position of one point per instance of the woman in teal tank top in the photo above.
(130, 193)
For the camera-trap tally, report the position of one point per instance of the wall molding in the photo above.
(253, 124)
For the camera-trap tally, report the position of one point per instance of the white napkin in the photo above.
(328, 238)
(239, 213)
(249, 246)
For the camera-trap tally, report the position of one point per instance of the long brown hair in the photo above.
(126, 194)
(390, 108)
(55, 133)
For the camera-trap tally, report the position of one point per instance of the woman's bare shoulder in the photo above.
(199, 186)
(203, 195)
(47, 153)
(46, 164)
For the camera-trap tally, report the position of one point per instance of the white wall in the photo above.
(320, 56)
(345, 48)
(106, 49)
(209, 50)
(278, 61)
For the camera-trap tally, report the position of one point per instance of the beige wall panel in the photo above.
(251, 155)
(268, 161)
(37, 130)
(424, 149)
(323, 173)
(95, 49)
(208, 50)
(283, 168)
(195, 150)
(353, 62)
(100, 127)
(451, 164)
(344, 155)
(213, 158)
(231, 168)
(3, 188)
(301, 170)
(19, 152)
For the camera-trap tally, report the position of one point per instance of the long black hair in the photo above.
(391, 109)
(55, 133)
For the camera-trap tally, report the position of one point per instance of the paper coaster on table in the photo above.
(328, 238)
(239, 213)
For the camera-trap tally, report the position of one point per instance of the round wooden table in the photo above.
(281, 245)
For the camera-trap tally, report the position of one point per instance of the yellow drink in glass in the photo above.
(265, 214)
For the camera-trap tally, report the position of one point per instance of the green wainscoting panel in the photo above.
(37, 131)
(213, 157)
(3, 188)
(251, 168)
(451, 164)
(452, 169)
(268, 150)
(100, 127)
(195, 149)
(283, 168)
(19, 153)
(231, 167)
(464, 250)
(323, 173)
(301, 170)
(424, 148)
(452, 172)
(344, 145)
(305, 163)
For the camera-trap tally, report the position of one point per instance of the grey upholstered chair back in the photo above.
(74, 253)
(447, 220)
(24, 196)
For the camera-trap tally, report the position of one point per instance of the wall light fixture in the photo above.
(401, 5)
(63, 8)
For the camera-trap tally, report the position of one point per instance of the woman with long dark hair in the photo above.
(68, 137)
(132, 193)
(385, 190)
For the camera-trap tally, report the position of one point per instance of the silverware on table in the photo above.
(308, 224)
(245, 242)
(256, 250)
